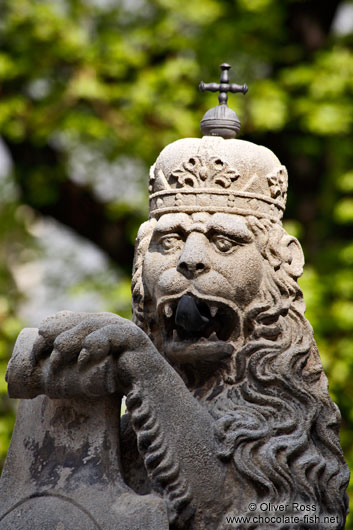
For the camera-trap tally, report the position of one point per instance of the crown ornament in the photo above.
(221, 120)
(200, 173)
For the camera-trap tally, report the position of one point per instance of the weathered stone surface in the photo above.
(227, 401)
(63, 468)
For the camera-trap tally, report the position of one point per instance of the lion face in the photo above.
(219, 297)
(200, 271)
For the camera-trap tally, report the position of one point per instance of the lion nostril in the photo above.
(190, 269)
(182, 267)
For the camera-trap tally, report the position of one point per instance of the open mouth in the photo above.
(195, 328)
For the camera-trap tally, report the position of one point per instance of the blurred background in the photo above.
(92, 90)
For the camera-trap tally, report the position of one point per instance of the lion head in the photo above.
(217, 292)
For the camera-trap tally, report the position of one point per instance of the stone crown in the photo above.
(216, 175)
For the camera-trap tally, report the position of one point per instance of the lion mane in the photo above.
(274, 418)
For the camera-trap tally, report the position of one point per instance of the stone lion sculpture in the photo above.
(228, 407)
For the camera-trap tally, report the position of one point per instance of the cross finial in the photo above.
(221, 120)
(224, 86)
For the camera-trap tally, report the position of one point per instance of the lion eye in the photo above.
(223, 244)
(170, 242)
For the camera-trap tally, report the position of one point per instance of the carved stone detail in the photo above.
(278, 184)
(229, 179)
(227, 401)
(198, 172)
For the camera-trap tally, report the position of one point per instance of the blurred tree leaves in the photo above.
(16, 246)
(84, 83)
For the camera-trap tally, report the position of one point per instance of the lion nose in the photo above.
(191, 269)
(193, 260)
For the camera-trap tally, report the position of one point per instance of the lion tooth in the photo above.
(168, 311)
(175, 334)
(213, 310)
(213, 336)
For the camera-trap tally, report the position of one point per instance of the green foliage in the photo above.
(14, 247)
(120, 78)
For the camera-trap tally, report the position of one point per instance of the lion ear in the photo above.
(292, 256)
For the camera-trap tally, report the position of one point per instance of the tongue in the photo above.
(188, 315)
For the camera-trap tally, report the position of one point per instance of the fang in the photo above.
(213, 310)
(168, 311)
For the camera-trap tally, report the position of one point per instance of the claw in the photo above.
(83, 358)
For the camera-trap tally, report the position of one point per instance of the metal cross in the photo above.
(223, 87)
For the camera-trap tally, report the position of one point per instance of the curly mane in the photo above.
(273, 415)
(139, 305)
